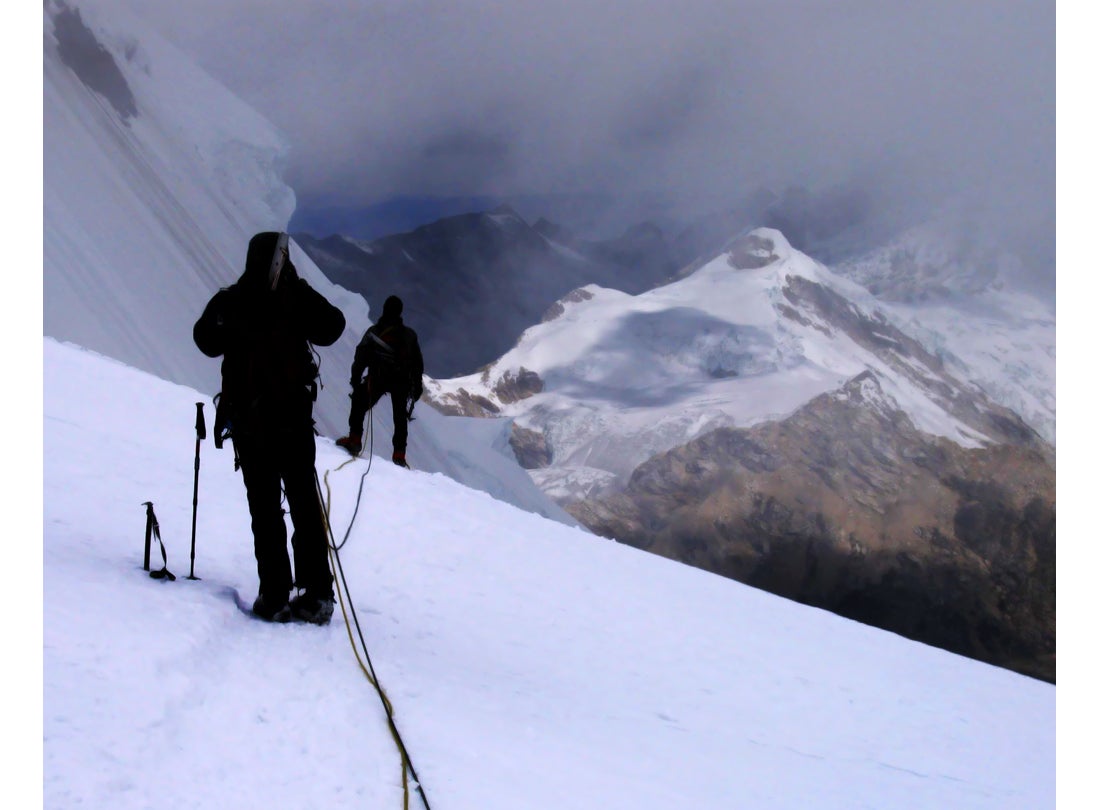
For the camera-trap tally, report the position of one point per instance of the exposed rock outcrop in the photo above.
(511, 387)
(557, 309)
(532, 451)
(460, 403)
(750, 252)
(520, 385)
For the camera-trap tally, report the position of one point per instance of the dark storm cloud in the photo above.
(919, 100)
(465, 145)
(664, 113)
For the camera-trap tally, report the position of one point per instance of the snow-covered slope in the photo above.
(155, 177)
(529, 665)
(614, 379)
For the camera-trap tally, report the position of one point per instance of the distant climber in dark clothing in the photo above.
(263, 326)
(390, 353)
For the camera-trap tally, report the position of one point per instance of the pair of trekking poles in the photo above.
(152, 527)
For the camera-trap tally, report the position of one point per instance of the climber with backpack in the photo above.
(390, 354)
(263, 327)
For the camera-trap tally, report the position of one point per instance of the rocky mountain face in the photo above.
(472, 283)
(846, 506)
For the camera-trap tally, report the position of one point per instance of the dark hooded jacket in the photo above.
(263, 330)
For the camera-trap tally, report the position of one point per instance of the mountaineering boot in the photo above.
(399, 459)
(271, 610)
(353, 443)
(311, 608)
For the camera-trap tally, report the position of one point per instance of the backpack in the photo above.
(384, 350)
(268, 372)
(393, 353)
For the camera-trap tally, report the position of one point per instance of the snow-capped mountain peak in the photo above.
(608, 379)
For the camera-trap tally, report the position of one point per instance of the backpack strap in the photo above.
(382, 345)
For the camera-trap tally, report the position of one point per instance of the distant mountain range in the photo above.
(472, 283)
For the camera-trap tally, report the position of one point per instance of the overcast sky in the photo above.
(696, 99)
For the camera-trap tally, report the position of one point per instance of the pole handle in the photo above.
(200, 422)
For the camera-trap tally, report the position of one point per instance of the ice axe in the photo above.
(200, 434)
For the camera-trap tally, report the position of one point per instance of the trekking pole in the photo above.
(150, 521)
(200, 434)
(152, 529)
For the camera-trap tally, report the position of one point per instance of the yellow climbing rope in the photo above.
(378, 688)
(364, 659)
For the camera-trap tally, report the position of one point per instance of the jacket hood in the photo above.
(392, 308)
(259, 263)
